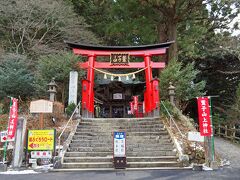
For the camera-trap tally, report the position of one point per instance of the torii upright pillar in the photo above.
(90, 78)
(148, 79)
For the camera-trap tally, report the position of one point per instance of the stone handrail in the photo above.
(65, 127)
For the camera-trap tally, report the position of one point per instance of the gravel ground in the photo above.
(228, 151)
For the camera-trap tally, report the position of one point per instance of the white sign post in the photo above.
(119, 150)
(195, 136)
(119, 144)
(73, 86)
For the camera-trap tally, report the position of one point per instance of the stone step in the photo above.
(90, 149)
(153, 164)
(129, 149)
(148, 144)
(88, 154)
(132, 154)
(88, 165)
(110, 138)
(133, 144)
(88, 159)
(119, 124)
(158, 140)
(128, 144)
(121, 127)
(127, 134)
(107, 140)
(129, 159)
(151, 153)
(104, 130)
(129, 164)
(120, 119)
(152, 158)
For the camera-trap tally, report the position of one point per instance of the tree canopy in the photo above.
(40, 27)
(56, 66)
(15, 77)
(188, 22)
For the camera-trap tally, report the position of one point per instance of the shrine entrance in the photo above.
(119, 99)
(112, 97)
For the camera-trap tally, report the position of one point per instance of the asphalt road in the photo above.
(226, 173)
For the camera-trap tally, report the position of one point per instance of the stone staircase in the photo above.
(148, 145)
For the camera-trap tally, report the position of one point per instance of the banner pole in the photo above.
(4, 152)
(212, 136)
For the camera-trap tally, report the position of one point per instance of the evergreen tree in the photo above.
(15, 77)
(184, 80)
(56, 66)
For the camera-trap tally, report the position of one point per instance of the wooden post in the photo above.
(233, 133)
(219, 130)
(226, 131)
(41, 120)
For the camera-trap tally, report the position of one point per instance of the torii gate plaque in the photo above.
(151, 94)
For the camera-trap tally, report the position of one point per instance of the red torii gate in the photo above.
(151, 94)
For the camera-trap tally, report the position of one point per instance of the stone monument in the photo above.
(73, 87)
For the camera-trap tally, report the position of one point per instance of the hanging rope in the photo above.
(120, 75)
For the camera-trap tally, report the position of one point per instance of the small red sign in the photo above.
(204, 116)
(13, 118)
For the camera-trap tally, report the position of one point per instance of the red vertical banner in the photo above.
(131, 107)
(135, 103)
(13, 118)
(146, 109)
(155, 95)
(85, 84)
(204, 116)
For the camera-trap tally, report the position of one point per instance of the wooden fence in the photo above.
(229, 132)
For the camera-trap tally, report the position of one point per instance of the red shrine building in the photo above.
(117, 94)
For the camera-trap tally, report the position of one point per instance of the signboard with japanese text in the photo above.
(119, 144)
(3, 135)
(41, 140)
(118, 96)
(13, 119)
(204, 116)
(41, 106)
(41, 154)
(119, 59)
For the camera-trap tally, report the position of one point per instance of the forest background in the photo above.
(204, 60)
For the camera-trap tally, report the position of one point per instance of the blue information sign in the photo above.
(119, 144)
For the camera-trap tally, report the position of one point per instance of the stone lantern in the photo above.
(171, 92)
(52, 89)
